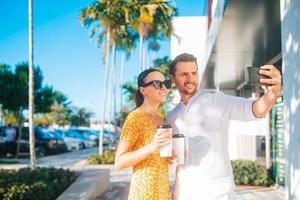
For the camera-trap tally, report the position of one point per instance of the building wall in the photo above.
(191, 38)
(243, 143)
(290, 18)
(192, 35)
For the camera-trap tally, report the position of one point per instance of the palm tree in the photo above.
(123, 40)
(154, 46)
(97, 13)
(126, 44)
(151, 18)
(141, 20)
(31, 86)
(106, 15)
(109, 17)
(130, 89)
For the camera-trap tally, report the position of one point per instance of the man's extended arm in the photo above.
(265, 103)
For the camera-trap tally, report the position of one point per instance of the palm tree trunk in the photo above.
(153, 55)
(121, 80)
(31, 87)
(113, 77)
(141, 53)
(113, 82)
(109, 104)
(144, 55)
(147, 55)
(104, 90)
(110, 85)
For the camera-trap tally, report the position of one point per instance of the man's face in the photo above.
(186, 78)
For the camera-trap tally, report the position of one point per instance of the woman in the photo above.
(139, 144)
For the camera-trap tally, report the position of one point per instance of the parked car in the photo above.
(87, 133)
(45, 142)
(88, 143)
(115, 136)
(8, 146)
(108, 138)
(71, 142)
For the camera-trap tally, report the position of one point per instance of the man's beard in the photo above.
(187, 91)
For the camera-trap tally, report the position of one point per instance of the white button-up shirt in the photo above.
(204, 121)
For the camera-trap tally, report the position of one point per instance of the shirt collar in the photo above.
(190, 99)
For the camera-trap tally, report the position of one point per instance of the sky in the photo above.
(69, 59)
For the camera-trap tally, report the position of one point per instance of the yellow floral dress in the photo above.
(150, 180)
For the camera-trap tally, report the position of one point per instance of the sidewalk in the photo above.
(120, 183)
(257, 193)
(69, 160)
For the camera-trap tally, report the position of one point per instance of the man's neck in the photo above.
(185, 97)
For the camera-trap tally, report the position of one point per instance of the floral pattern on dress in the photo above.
(150, 180)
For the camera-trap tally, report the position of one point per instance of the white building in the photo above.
(253, 33)
(192, 37)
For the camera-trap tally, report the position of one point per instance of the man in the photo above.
(203, 117)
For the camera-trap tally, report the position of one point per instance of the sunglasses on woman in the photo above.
(159, 84)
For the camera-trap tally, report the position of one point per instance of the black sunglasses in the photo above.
(159, 84)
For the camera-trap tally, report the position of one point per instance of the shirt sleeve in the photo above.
(130, 129)
(235, 108)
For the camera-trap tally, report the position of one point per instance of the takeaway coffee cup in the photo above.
(179, 147)
(165, 151)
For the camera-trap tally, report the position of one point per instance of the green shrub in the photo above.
(39, 184)
(108, 157)
(248, 172)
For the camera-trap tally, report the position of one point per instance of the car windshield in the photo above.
(84, 133)
(43, 133)
(56, 135)
(77, 131)
(72, 133)
(93, 133)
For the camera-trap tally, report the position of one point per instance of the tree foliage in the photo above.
(163, 64)
(14, 91)
(80, 117)
(60, 113)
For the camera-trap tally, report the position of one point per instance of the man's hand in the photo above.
(273, 90)
(273, 81)
(172, 160)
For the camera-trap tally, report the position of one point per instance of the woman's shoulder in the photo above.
(134, 115)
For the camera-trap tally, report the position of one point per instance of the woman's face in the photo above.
(150, 91)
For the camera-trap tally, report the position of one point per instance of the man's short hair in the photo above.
(184, 57)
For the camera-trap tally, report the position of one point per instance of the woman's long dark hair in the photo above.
(139, 98)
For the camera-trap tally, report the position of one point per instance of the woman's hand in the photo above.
(160, 140)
